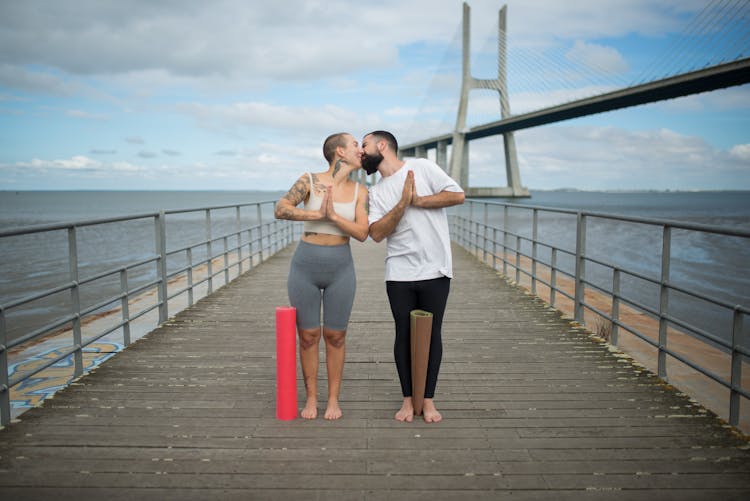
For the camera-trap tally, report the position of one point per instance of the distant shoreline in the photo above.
(637, 191)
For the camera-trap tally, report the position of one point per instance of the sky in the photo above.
(239, 95)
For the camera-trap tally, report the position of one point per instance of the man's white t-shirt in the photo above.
(419, 247)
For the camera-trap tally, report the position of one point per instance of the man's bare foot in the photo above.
(311, 409)
(430, 413)
(406, 413)
(333, 411)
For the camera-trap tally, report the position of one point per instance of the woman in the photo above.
(335, 209)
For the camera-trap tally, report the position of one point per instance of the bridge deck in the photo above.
(533, 407)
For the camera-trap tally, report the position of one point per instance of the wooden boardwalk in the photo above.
(533, 408)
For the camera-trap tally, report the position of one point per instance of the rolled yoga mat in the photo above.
(286, 362)
(421, 332)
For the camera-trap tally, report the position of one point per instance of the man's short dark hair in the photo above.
(331, 143)
(387, 137)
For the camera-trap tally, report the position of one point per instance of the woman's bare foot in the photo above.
(333, 411)
(311, 409)
(406, 413)
(430, 413)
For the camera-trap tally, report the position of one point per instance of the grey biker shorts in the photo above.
(322, 274)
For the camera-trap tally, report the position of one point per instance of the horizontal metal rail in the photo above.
(224, 256)
(498, 244)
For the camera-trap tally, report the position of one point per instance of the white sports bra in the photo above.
(343, 209)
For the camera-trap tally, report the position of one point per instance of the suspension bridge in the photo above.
(712, 53)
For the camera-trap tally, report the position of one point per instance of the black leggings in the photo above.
(427, 295)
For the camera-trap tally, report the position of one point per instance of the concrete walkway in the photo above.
(533, 409)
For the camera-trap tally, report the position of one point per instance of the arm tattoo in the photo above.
(297, 193)
(286, 214)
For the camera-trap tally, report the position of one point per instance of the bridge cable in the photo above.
(722, 28)
(701, 37)
(728, 29)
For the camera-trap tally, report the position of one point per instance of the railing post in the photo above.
(553, 277)
(470, 230)
(470, 227)
(209, 253)
(518, 259)
(125, 306)
(664, 301)
(4, 380)
(75, 300)
(615, 305)
(505, 240)
(462, 231)
(161, 250)
(250, 254)
(260, 230)
(467, 231)
(736, 376)
(274, 235)
(494, 248)
(190, 275)
(239, 242)
(454, 228)
(484, 236)
(226, 260)
(534, 233)
(580, 267)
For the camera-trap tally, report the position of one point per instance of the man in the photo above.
(407, 206)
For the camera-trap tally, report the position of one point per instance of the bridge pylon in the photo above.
(459, 162)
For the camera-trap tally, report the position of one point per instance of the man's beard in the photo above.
(370, 162)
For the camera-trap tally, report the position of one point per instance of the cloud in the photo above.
(265, 116)
(78, 162)
(147, 154)
(741, 152)
(74, 164)
(586, 157)
(171, 153)
(11, 98)
(731, 99)
(612, 158)
(540, 23)
(135, 140)
(103, 152)
(85, 115)
(289, 40)
(265, 158)
(44, 82)
(115, 39)
(598, 57)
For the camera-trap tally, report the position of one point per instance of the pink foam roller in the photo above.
(286, 363)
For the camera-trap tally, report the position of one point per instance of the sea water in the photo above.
(711, 264)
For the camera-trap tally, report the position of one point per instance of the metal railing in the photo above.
(210, 249)
(511, 236)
